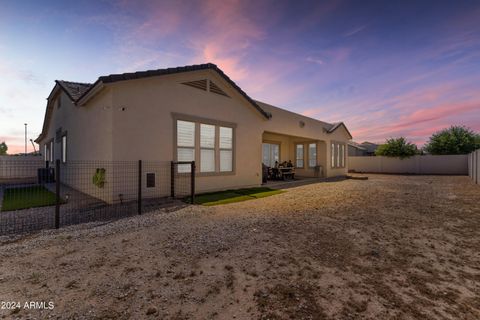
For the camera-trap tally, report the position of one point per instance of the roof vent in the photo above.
(199, 84)
(215, 89)
(301, 124)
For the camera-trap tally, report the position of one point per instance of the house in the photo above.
(361, 149)
(356, 149)
(183, 114)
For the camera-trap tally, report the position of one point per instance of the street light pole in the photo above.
(25, 139)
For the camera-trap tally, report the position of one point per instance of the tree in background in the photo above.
(454, 140)
(3, 149)
(397, 147)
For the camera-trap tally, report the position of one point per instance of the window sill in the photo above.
(215, 174)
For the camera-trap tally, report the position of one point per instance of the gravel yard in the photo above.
(391, 247)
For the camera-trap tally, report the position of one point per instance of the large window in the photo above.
(312, 155)
(185, 144)
(226, 149)
(213, 151)
(338, 155)
(207, 148)
(270, 154)
(299, 156)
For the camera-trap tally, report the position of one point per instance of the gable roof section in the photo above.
(338, 125)
(74, 90)
(159, 72)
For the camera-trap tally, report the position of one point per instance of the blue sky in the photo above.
(385, 68)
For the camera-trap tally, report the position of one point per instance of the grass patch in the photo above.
(231, 196)
(27, 197)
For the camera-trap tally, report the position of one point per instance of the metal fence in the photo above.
(86, 191)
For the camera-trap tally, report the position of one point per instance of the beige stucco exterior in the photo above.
(135, 119)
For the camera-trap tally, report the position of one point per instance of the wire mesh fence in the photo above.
(41, 195)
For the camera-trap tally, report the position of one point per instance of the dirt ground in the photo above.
(391, 247)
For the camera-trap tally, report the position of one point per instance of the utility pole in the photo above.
(25, 139)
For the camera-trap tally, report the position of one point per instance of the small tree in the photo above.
(397, 147)
(454, 140)
(3, 149)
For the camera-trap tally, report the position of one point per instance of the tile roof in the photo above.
(74, 89)
(159, 72)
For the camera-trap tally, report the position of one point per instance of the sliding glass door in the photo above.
(271, 153)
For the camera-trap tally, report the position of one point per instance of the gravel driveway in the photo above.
(391, 247)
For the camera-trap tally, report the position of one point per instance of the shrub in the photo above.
(397, 147)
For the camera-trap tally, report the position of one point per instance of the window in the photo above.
(185, 144)
(299, 156)
(64, 148)
(51, 151)
(150, 180)
(312, 155)
(212, 148)
(46, 152)
(270, 154)
(226, 149)
(333, 155)
(338, 155)
(207, 148)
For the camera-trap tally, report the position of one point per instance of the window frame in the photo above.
(220, 149)
(208, 148)
(296, 155)
(187, 170)
(64, 148)
(197, 156)
(338, 155)
(309, 155)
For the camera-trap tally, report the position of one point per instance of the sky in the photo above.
(384, 68)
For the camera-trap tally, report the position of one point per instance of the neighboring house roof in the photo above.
(337, 125)
(369, 146)
(356, 145)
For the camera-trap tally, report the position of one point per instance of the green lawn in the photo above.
(231, 196)
(27, 197)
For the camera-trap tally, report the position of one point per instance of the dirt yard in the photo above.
(391, 247)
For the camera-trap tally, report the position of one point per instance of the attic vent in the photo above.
(215, 89)
(199, 84)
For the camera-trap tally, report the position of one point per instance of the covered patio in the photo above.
(286, 157)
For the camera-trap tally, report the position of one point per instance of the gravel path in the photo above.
(391, 247)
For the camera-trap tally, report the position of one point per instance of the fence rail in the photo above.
(474, 166)
(36, 197)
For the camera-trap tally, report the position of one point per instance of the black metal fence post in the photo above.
(139, 186)
(192, 182)
(172, 179)
(57, 191)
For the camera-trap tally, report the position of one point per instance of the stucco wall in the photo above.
(150, 104)
(428, 164)
(89, 128)
(303, 128)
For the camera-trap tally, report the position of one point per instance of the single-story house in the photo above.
(183, 114)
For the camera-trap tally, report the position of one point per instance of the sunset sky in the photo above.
(385, 68)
